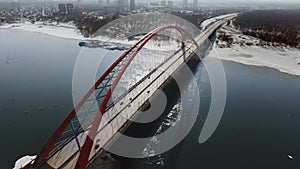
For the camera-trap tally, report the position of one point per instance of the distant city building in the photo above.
(132, 5)
(66, 9)
(43, 11)
(62, 8)
(154, 4)
(123, 5)
(163, 3)
(185, 4)
(107, 2)
(70, 8)
(195, 4)
(170, 4)
(78, 0)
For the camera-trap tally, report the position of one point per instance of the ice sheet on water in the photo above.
(24, 161)
(290, 157)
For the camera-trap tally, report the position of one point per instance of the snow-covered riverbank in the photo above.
(69, 31)
(283, 59)
(244, 50)
(62, 30)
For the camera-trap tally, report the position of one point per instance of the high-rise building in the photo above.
(132, 5)
(70, 8)
(170, 4)
(123, 5)
(195, 4)
(164, 3)
(43, 11)
(66, 9)
(62, 8)
(107, 2)
(185, 4)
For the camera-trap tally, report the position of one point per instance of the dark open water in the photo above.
(259, 129)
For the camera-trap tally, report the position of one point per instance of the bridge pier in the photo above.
(213, 36)
(183, 50)
(106, 161)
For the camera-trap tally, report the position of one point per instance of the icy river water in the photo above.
(259, 129)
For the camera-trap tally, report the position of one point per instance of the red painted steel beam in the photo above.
(83, 159)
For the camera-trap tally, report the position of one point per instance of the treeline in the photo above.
(194, 18)
(89, 25)
(278, 26)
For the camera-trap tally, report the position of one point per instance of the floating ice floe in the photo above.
(290, 157)
(22, 162)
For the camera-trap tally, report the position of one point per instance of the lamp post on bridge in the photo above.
(183, 50)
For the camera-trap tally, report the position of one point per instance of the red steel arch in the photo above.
(86, 148)
(50, 144)
(85, 152)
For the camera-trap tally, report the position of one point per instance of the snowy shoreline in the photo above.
(61, 30)
(283, 59)
(264, 64)
(69, 31)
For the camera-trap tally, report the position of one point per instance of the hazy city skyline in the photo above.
(189, 1)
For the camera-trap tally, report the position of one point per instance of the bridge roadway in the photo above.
(116, 117)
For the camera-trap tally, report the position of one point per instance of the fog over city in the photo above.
(201, 1)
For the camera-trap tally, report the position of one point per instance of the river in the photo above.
(259, 129)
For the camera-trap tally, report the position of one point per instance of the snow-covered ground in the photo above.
(63, 30)
(248, 50)
(69, 31)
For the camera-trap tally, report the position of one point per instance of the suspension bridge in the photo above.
(97, 119)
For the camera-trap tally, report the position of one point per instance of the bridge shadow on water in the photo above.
(172, 92)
